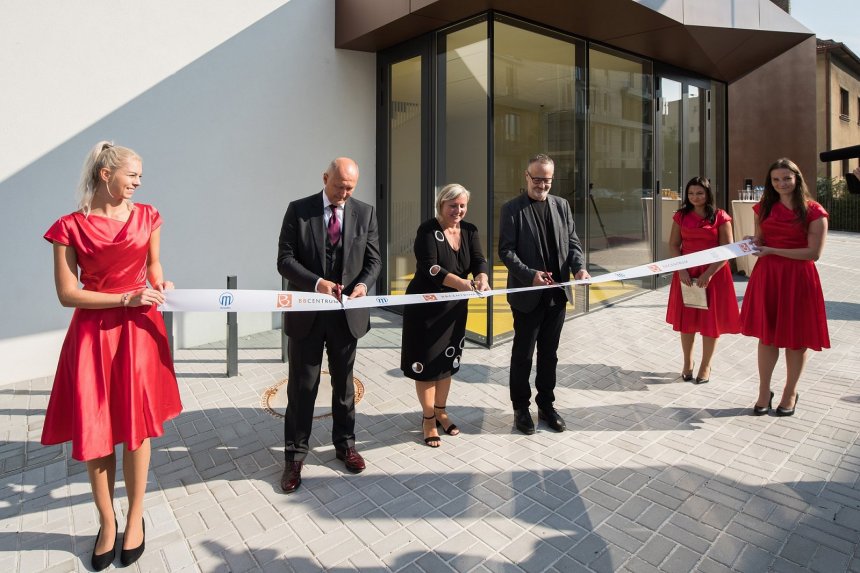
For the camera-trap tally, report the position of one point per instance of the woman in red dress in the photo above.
(698, 226)
(784, 304)
(115, 381)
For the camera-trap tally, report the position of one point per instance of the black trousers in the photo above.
(331, 331)
(539, 328)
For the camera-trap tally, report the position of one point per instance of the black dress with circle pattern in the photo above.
(434, 334)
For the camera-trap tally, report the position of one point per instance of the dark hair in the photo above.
(710, 207)
(799, 197)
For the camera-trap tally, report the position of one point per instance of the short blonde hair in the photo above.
(449, 192)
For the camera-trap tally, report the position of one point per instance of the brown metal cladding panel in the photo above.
(733, 39)
(771, 114)
(355, 18)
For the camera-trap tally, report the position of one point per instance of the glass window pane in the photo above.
(538, 107)
(404, 127)
(669, 133)
(620, 169)
(462, 135)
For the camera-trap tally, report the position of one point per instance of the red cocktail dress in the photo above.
(721, 317)
(784, 303)
(115, 381)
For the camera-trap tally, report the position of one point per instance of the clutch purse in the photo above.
(694, 297)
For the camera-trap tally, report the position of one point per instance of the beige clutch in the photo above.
(694, 297)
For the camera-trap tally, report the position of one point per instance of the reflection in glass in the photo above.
(671, 174)
(620, 136)
(462, 129)
(538, 107)
(404, 127)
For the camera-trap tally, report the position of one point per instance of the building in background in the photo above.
(837, 104)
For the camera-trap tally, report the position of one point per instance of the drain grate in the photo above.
(274, 398)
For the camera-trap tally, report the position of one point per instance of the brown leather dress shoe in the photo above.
(353, 460)
(291, 479)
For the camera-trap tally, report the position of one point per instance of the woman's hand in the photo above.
(684, 277)
(482, 283)
(146, 297)
(163, 286)
(703, 280)
(762, 251)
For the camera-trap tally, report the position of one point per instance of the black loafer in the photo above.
(523, 421)
(552, 419)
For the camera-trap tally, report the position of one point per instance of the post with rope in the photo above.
(168, 326)
(283, 334)
(232, 335)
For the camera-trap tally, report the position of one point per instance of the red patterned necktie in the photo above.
(333, 226)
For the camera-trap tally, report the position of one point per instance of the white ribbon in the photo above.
(240, 300)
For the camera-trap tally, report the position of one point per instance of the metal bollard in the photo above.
(232, 335)
(168, 326)
(283, 335)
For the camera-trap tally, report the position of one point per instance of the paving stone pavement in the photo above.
(654, 474)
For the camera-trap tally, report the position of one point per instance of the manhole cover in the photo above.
(274, 398)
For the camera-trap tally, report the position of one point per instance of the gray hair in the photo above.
(541, 158)
(449, 192)
(105, 155)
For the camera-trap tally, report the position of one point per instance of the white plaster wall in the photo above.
(235, 107)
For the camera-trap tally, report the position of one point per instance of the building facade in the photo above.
(237, 117)
(632, 99)
(837, 104)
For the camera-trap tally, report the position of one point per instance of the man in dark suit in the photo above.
(329, 244)
(538, 244)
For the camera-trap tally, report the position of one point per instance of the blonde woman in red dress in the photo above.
(698, 225)
(784, 304)
(115, 382)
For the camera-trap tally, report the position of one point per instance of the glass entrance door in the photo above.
(402, 165)
(688, 140)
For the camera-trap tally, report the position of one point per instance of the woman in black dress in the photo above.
(447, 250)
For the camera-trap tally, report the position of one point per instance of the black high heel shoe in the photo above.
(432, 441)
(700, 380)
(688, 377)
(100, 562)
(129, 556)
(762, 410)
(451, 430)
(783, 412)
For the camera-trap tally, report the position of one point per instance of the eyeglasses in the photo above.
(539, 180)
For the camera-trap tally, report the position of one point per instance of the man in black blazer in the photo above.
(329, 244)
(539, 246)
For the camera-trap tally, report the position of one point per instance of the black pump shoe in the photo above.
(100, 562)
(784, 412)
(129, 556)
(688, 377)
(762, 410)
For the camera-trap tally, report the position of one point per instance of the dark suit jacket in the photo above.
(301, 257)
(519, 247)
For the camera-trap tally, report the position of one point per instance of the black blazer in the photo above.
(519, 247)
(301, 257)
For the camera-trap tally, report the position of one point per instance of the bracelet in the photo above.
(124, 299)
